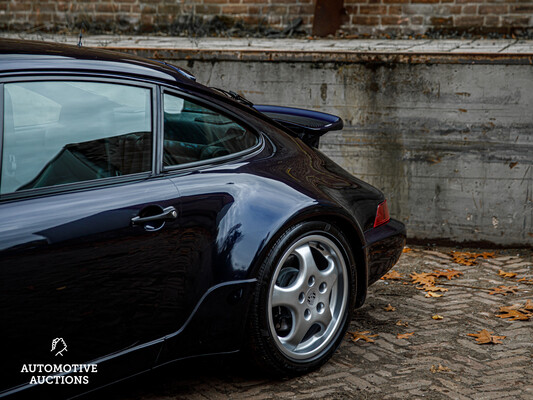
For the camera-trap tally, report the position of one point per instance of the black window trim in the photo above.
(243, 154)
(102, 182)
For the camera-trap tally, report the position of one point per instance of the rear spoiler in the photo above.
(306, 124)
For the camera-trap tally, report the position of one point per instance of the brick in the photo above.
(386, 20)
(254, 10)
(207, 9)
(394, 10)
(148, 10)
(492, 21)
(373, 10)
(515, 21)
(522, 8)
(300, 10)
(395, 1)
(424, 1)
(469, 9)
(468, 21)
(19, 7)
(364, 20)
(275, 10)
(441, 21)
(499, 9)
(106, 7)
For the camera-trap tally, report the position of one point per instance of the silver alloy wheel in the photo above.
(308, 297)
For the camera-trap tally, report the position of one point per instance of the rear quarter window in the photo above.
(195, 133)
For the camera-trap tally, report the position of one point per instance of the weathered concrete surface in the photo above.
(444, 128)
(451, 145)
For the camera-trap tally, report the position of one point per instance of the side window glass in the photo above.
(195, 133)
(61, 132)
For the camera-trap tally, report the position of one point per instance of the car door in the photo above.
(87, 226)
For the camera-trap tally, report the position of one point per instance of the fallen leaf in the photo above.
(437, 316)
(486, 337)
(362, 336)
(468, 258)
(528, 306)
(506, 274)
(389, 308)
(431, 294)
(392, 275)
(404, 335)
(401, 323)
(431, 288)
(513, 315)
(449, 273)
(423, 278)
(406, 250)
(504, 290)
(440, 368)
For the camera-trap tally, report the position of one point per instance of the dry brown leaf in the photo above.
(514, 315)
(362, 336)
(431, 294)
(431, 288)
(486, 337)
(440, 368)
(468, 258)
(404, 335)
(389, 308)
(506, 274)
(437, 316)
(504, 290)
(392, 275)
(424, 278)
(406, 250)
(401, 323)
(449, 274)
(528, 306)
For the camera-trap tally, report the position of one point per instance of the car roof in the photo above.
(19, 56)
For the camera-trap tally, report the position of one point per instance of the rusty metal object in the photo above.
(343, 57)
(328, 17)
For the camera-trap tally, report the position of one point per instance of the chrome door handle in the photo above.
(168, 213)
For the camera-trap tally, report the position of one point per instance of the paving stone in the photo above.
(394, 368)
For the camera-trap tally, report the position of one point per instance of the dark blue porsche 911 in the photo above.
(145, 218)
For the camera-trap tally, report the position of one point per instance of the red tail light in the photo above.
(382, 215)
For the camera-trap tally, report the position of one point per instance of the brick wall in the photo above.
(205, 17)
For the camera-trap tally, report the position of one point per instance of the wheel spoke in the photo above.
(307, 262)
(300, 328)
(331, 273)
(285, 296)
(325, 317)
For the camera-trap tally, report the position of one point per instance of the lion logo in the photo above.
(59, 345)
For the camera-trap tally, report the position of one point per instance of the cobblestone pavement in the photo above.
(392, 368)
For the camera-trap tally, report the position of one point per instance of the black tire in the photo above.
(307, 278)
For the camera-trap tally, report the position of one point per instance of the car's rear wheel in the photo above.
(304, 298)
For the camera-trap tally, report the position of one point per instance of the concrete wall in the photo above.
(450, 144)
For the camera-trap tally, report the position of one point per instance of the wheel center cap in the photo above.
(311, 297)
